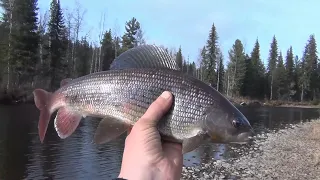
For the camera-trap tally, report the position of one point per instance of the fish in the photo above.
(120, 96)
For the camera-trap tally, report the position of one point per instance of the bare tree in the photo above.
(199, 64)
(140, 37)
(70, 45)
(78, 20)
(101, 33)
(115, 36)
(11, 7)
(92, 59)
(43, 21)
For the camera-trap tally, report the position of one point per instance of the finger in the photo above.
(157, 109)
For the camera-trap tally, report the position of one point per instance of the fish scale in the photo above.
(112, 92)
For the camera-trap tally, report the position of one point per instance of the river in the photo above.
(22, 156)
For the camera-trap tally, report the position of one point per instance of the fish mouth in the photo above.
(242, 138)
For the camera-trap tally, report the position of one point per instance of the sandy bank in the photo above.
(291, 153)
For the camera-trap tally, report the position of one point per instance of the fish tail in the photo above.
(42, 101)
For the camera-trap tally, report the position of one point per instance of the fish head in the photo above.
(226, 124)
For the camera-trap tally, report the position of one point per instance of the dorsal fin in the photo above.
(144, 56)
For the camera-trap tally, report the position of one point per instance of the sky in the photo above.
(187, 23)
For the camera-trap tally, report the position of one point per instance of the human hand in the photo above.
(145, 157)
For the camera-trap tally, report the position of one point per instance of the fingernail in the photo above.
(166, 95)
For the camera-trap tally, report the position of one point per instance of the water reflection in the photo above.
(22, 156)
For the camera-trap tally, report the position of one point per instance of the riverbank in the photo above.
(291, 153)
(18, 97)
(272, 103)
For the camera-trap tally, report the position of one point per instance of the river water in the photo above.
(22, 156)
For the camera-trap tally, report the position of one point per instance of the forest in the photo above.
(39, 50)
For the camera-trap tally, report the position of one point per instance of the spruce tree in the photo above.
(272, 62)
(290, 74)
(210, 61)
(257, 89)
(309, 79)
(107, 50)
(57, 44)
(129, 38)
(83, 55)
(237, 67)
(280, 78)
(179, 59)
(25, 39)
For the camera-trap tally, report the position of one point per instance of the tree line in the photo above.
(286, 76)
(39, 50)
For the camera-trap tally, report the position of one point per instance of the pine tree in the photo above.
(236, 67)
(210, 61)
(257, 89)
(303, 75)
(309, 79)
(185, 66)
(248, 80)
(25, 40)
(312, 61)
(192, 69)
(57, 44)
(179, 59)
(280, 78)
(129, 38)
(83, 56)
(290, 74)
(272, 62)
(107, 50)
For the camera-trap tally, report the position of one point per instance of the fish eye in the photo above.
(236, 123)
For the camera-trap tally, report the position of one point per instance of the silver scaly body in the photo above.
(126, 95)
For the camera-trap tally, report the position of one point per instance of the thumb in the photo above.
(156, 110)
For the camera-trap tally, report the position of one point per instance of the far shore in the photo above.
(271, 103)
(19, 97)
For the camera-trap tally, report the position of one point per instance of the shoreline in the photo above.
(290, 153)
(27, 98)
(274, 103)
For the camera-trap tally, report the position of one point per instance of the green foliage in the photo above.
(179, 59)
(272, 64)
(57, 46)
(108, 50)
(237, 67)
(291, 75)
(280, 78)
(129, 38)
(210, 60)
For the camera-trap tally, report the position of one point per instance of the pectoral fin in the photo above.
(108, 129)
(191, 144)
(66, 122)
